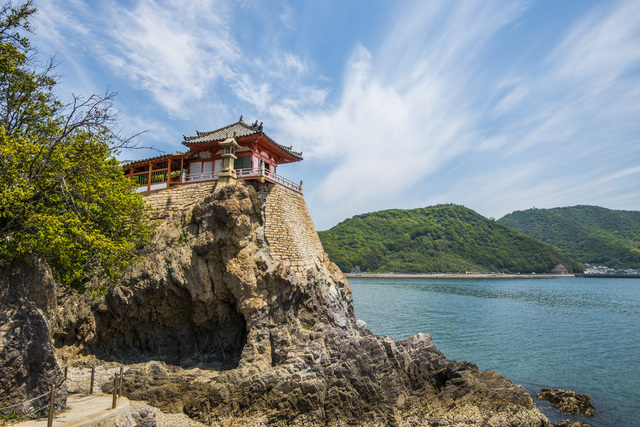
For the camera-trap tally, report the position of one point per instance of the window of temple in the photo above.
(242, 163)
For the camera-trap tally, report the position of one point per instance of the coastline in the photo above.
(460, 275)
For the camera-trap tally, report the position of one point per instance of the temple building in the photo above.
(238, 151)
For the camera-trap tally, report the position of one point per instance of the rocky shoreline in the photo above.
(236, 317)
(150, 387)
(460, 275)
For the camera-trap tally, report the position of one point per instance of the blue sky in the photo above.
(495, 105)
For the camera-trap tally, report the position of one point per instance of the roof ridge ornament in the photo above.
(241, 115)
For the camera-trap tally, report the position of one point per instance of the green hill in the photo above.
(442, 238)
(588, 234)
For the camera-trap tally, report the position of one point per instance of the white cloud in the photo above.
(444, 106)
(404, 109)
(603, 47)
(175, 51)
(287, 18)
(51, 23)
(256, 94)
(155, 45)
(430, 98)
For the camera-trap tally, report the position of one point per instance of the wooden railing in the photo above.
(158, 180)
(159, 176)
(141, 178)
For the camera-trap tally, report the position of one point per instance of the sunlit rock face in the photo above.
(252, 322)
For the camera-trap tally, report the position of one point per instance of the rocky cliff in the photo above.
(251, 321)
(28, 366)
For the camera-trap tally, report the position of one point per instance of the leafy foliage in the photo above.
(589, 234)
(63, 196)
(442, 238)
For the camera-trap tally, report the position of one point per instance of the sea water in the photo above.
(581, 334)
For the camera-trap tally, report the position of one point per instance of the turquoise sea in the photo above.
(571, 333)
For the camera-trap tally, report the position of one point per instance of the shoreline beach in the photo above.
(460, 275)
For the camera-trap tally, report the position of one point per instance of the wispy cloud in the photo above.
(425, 101)
(405, 109)
(448, 103)
(602, 47)
(156, 46)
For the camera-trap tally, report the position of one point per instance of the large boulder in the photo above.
(28, 365)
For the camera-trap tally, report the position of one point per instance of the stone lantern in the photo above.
(228, 173)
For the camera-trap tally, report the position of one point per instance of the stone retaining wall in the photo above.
(289, 230)
(179, 197)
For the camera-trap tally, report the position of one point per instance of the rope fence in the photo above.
(26, 402)
(77, 380)
(86, 380)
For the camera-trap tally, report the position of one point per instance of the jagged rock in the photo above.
(144, 418)
(252, 321)
(568, 401)
(28, 365)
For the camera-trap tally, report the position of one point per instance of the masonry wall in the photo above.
(288, 227)
(180, 197)
(289, 230)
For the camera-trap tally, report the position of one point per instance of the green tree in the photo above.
(589, 234)
(63, 196)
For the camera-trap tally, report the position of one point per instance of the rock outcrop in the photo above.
(568, 401)
(238, 314)
(28, 366)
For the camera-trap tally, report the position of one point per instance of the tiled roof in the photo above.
(238, 129)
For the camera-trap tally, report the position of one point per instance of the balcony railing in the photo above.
(160, 179)
(248, 173)
(208, 176)
(259, 173)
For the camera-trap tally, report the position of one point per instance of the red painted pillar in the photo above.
(149, 178)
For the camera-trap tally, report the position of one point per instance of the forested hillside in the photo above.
(442, 238)
(589, 234)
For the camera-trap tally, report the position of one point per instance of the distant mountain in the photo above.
(442, 238)
(588, 234)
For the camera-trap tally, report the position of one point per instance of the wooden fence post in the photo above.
(115, 389)
(121, 381)
(93, 372)
(51, 400)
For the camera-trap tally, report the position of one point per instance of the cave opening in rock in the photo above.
(175, 330)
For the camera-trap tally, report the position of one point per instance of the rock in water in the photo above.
(569, 423)
(568, 401)
(237, 289)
